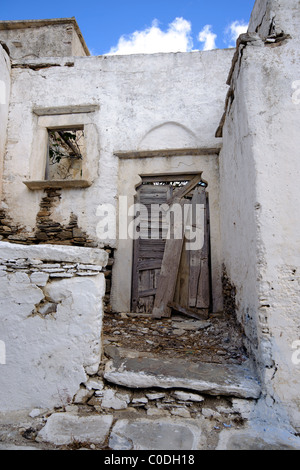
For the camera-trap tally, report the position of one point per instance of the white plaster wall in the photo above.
(135, 95)
(238, 200)
(77, 47)
(279, 15)
(48, 356)
(5, 70)
(260, 171)
(277, 149)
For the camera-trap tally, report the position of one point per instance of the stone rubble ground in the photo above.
(118, 419)
(107, 416)
(216, 340)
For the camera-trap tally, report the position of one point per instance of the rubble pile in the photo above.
(216, 340)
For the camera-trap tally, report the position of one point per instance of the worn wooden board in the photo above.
(199, 270)
(148, 252)
(181, 296)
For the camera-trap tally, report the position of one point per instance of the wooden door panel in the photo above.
(148, 252)
(184, 279)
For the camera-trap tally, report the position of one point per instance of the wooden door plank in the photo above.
(203, 294)
(196, 255)
(147, 293)
(195, 258)
(135, 273)
(168, 277)
(147, 252)
(184, 190)
(148, 264)
(182, 287)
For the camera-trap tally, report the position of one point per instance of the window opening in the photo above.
(66, 151)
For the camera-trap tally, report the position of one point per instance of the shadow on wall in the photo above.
(170, 135)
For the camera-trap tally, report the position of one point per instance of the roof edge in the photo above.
(21, 24)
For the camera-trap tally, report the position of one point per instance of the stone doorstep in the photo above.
(212, 379)
(66, 428)
(161, 434)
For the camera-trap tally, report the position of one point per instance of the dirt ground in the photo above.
(216, 340)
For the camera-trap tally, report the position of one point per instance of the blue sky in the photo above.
(133, 26)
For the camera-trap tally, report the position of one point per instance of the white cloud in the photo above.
(233, 31)
(177, 38)
(208, 37)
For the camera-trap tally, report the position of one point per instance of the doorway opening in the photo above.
(172, 314)
(170, 266)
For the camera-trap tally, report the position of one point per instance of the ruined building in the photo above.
(88, 145)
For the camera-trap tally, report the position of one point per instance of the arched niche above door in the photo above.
(169, 135)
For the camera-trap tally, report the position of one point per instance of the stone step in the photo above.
(212, 379)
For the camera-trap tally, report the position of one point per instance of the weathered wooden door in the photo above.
(189, 268)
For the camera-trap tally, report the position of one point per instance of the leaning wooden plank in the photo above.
(168, 277)
(181, 296)
(171, 259)
(169, 269)
(135, 273)
(184, 190)
(198, 249)
(198, 314)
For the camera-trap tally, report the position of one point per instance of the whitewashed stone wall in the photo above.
(134, 95)
(51, 323)
(259, 172)
(5, 70)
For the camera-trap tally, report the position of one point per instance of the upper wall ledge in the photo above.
(51, 253)
(215, 150)
(72, 109)
(57, 184)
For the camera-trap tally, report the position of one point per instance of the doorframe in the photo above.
(144, 166)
